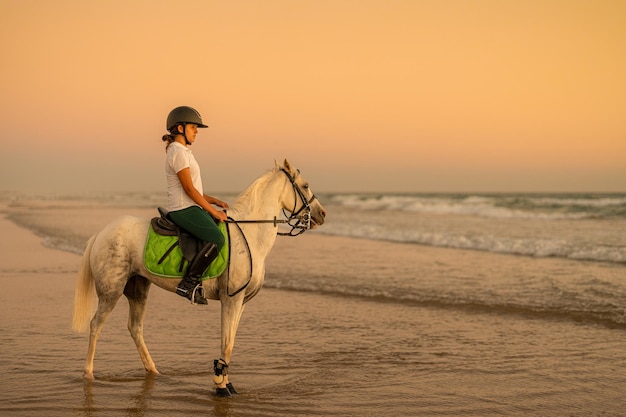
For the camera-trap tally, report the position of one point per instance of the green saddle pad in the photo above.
(170, 267)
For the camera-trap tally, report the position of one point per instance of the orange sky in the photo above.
(386, 95)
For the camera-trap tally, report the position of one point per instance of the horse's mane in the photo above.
(251, 195)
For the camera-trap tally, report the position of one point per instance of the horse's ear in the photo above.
(277, 167)
(288, 167)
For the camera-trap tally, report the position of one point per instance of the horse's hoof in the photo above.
(231, 389)
(222, 392)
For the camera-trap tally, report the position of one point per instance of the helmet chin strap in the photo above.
(184, 125)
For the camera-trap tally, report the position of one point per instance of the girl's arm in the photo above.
(216, 201)
(184, 176)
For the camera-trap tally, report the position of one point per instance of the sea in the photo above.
(589, 229)
(400, 304)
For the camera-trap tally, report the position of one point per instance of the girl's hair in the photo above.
(170, 137)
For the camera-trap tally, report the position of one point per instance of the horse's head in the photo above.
(306, 212)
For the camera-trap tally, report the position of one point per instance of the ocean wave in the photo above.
(535, 247)
(494, 206)
(584, 227)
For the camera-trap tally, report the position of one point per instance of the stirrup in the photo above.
(195, 294)
(199, 290)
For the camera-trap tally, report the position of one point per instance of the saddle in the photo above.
(169, 249)
(189, 244)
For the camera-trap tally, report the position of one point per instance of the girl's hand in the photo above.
(218, 215)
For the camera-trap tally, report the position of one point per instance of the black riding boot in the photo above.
(192, 279)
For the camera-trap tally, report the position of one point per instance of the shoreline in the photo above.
(23, 247)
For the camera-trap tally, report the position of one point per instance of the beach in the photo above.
(306, 345)
(456, 168)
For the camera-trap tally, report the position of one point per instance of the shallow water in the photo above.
(344, 326)
(305, 354)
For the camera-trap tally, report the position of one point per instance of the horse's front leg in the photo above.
(232, 308)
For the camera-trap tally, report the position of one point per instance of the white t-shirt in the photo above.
(178, 158)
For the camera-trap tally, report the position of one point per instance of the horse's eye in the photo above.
(306, 186)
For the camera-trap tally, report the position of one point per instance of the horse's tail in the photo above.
(84, 291)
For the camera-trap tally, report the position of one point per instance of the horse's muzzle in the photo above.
(317, 217)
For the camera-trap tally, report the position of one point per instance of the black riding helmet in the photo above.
(181, 116)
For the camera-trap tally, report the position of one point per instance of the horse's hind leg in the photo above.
(106, 303)
(136, 291)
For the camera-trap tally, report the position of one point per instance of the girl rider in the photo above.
(188, 206)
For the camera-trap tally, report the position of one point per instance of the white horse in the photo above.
(113, 264)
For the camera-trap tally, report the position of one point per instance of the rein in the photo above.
(298, 222)
(249, 259)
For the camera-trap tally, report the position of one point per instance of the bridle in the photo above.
(299, 220)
